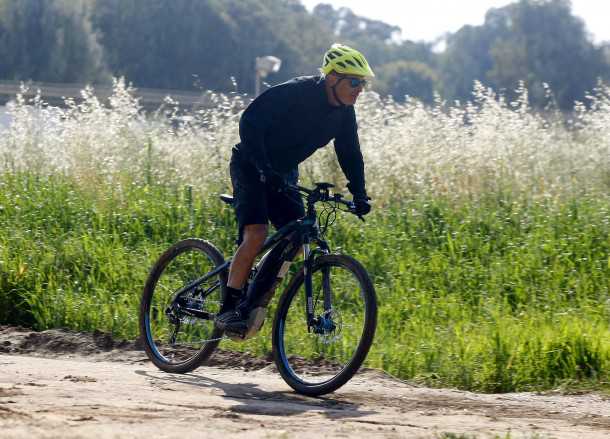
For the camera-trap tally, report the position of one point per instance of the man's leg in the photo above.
(230, 317)
(251, 212)
(254, 238)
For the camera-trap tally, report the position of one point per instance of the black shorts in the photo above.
(255, 203)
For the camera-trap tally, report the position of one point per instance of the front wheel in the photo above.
(319, 358)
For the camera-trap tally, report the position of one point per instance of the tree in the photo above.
(412, 78)
(205, 43)
(537, 41)
(401, 67)
(466, 59)
(156, 43)
(49, 41)
(551, 46)
(379, 41)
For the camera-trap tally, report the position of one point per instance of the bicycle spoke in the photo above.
(319, 355)
(181, 327)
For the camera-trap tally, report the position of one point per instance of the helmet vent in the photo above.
(358, 61)
(350, 63)
(341, 64)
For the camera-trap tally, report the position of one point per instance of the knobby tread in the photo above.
(368, 331)
(192, 363)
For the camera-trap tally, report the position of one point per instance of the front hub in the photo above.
(323, 325)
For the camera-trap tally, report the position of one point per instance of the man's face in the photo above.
(348, 87)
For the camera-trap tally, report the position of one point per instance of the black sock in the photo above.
(233, 296)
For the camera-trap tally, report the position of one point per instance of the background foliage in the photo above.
(212, 44)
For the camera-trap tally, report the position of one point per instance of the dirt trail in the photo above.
(60, 384)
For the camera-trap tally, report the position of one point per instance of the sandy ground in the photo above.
(60, 384)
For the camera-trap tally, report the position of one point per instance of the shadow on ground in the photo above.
(254, 400)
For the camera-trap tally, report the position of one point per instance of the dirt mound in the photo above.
(98, 345)
(59, 342)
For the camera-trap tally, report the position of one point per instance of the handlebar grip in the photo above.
(352, 209)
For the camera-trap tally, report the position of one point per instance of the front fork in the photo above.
(309, 257)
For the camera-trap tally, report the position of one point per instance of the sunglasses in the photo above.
(355, 82)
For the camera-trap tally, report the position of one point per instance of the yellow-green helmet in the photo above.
(347, 61)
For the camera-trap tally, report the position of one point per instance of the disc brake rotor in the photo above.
(330, 326)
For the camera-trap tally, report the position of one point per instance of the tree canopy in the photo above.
(212, 44)
(49, 40)
(536, 41)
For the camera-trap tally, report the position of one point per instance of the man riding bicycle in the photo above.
(280, 129)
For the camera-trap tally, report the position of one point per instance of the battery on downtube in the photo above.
(269, 273)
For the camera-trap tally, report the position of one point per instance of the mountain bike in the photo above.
(325, 319)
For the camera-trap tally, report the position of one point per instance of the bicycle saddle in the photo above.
(227, 198)
(324, 186)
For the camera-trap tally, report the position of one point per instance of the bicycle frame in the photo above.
(302, 232)
(299, 233)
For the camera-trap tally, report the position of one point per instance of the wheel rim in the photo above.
(174, 336)
(314, 359)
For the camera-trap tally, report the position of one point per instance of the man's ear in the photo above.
(332, 78)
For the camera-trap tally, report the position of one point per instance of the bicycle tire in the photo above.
(282, 360)
(159, 268)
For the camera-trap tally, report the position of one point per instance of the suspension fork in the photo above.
(307, 267)
(326, 290)
(309, 258)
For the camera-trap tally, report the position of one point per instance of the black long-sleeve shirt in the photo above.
(290, 121)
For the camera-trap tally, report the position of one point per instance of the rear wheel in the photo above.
(178, 330)
(321, 358)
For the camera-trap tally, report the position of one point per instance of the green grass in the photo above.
(499, 294)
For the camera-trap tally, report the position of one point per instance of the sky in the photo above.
(429, 19)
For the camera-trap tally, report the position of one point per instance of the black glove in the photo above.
(271, 178)
(361, 205)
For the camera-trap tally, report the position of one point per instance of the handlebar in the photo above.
(321, 193)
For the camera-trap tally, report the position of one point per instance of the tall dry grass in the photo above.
(458, 151)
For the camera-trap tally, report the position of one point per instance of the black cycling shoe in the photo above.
(232, 321)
